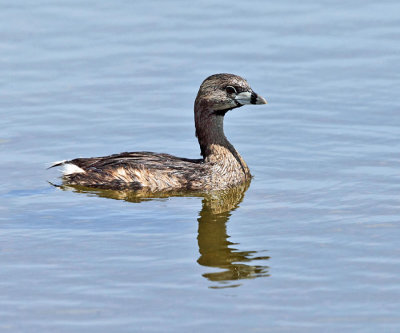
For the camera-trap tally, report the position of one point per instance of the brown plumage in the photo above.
(221, 166)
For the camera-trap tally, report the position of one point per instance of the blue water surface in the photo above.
(311, 246)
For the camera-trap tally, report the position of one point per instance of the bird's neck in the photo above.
(215, 147)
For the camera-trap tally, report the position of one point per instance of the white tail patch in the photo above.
(55, 163)
(69, 169)
(58, 162)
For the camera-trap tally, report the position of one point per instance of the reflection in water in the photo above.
(215, 249)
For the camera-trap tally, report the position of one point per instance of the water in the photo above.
(310, 246)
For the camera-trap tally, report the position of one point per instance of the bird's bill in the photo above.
(250, 97)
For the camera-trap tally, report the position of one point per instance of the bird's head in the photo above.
(220, 93)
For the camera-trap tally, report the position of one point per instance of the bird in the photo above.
(221, 166)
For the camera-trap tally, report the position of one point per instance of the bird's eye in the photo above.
(230, 90)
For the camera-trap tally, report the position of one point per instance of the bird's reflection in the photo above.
(216, 251)
(215, 248)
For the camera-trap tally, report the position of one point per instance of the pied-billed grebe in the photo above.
(221, 166)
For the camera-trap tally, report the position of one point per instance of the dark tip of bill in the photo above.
(253, 98)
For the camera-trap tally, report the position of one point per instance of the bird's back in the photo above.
(136, 170)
